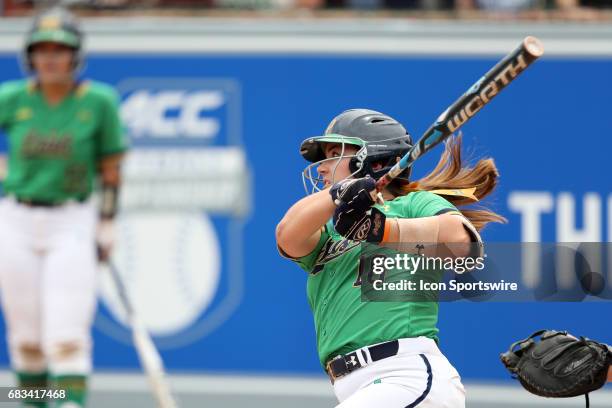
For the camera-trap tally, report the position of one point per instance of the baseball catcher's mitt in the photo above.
(559, 365)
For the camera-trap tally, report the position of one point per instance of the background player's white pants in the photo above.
(418, 376)
(48, 285)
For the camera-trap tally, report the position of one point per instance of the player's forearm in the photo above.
(303, 221)
(110, 169)
(431, 234)
(110, 180)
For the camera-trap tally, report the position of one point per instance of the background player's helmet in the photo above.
(380, 139)
(55, 25)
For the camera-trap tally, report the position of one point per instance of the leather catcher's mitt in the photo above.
(559, 365)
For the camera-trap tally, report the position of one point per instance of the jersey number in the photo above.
(365, 269)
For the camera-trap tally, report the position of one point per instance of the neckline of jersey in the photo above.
(70, 96)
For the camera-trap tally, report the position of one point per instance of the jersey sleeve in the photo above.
(111, 137)
(6, 108)
(308, 262)
(425, 204)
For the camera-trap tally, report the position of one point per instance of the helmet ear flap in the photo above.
(358, 164)
(355, 166)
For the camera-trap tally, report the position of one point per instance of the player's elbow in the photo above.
(452, 230)
(454, 235)
(289, 242)
(109, 168)
(283, 236)
(280, 229)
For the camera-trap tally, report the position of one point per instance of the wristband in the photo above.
(109, 202)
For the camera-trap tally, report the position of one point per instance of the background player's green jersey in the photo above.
(54, 150)
(343, 322)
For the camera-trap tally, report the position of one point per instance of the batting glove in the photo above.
(360, 225)
(354, 194)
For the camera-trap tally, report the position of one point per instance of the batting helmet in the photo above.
(380, 139)
(56, 25)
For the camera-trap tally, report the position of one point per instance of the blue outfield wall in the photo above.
(550, 133)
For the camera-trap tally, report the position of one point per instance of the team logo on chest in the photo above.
(52, 145)
(332, 250)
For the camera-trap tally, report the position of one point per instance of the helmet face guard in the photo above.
(361, 163)
(312, 179)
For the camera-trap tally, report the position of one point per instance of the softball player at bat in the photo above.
(64, 135)
(378, 354)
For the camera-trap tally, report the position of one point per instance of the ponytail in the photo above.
(466, 184)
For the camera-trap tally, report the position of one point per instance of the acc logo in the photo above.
(172, 113)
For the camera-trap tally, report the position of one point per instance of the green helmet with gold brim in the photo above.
(58, 26)
(59, 36)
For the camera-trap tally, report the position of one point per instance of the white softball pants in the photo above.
(48, 285)
(418, 376)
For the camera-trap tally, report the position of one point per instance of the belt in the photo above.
(30, 202)
(342, 365)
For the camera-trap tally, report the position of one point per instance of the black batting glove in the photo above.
(354, 194)
(359, 225)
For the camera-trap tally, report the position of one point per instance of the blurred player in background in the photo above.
(379, 354)
(64, 134)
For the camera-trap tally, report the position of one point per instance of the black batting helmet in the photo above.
(381, 140)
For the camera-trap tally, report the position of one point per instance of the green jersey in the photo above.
(343, 322)
(53, 151)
